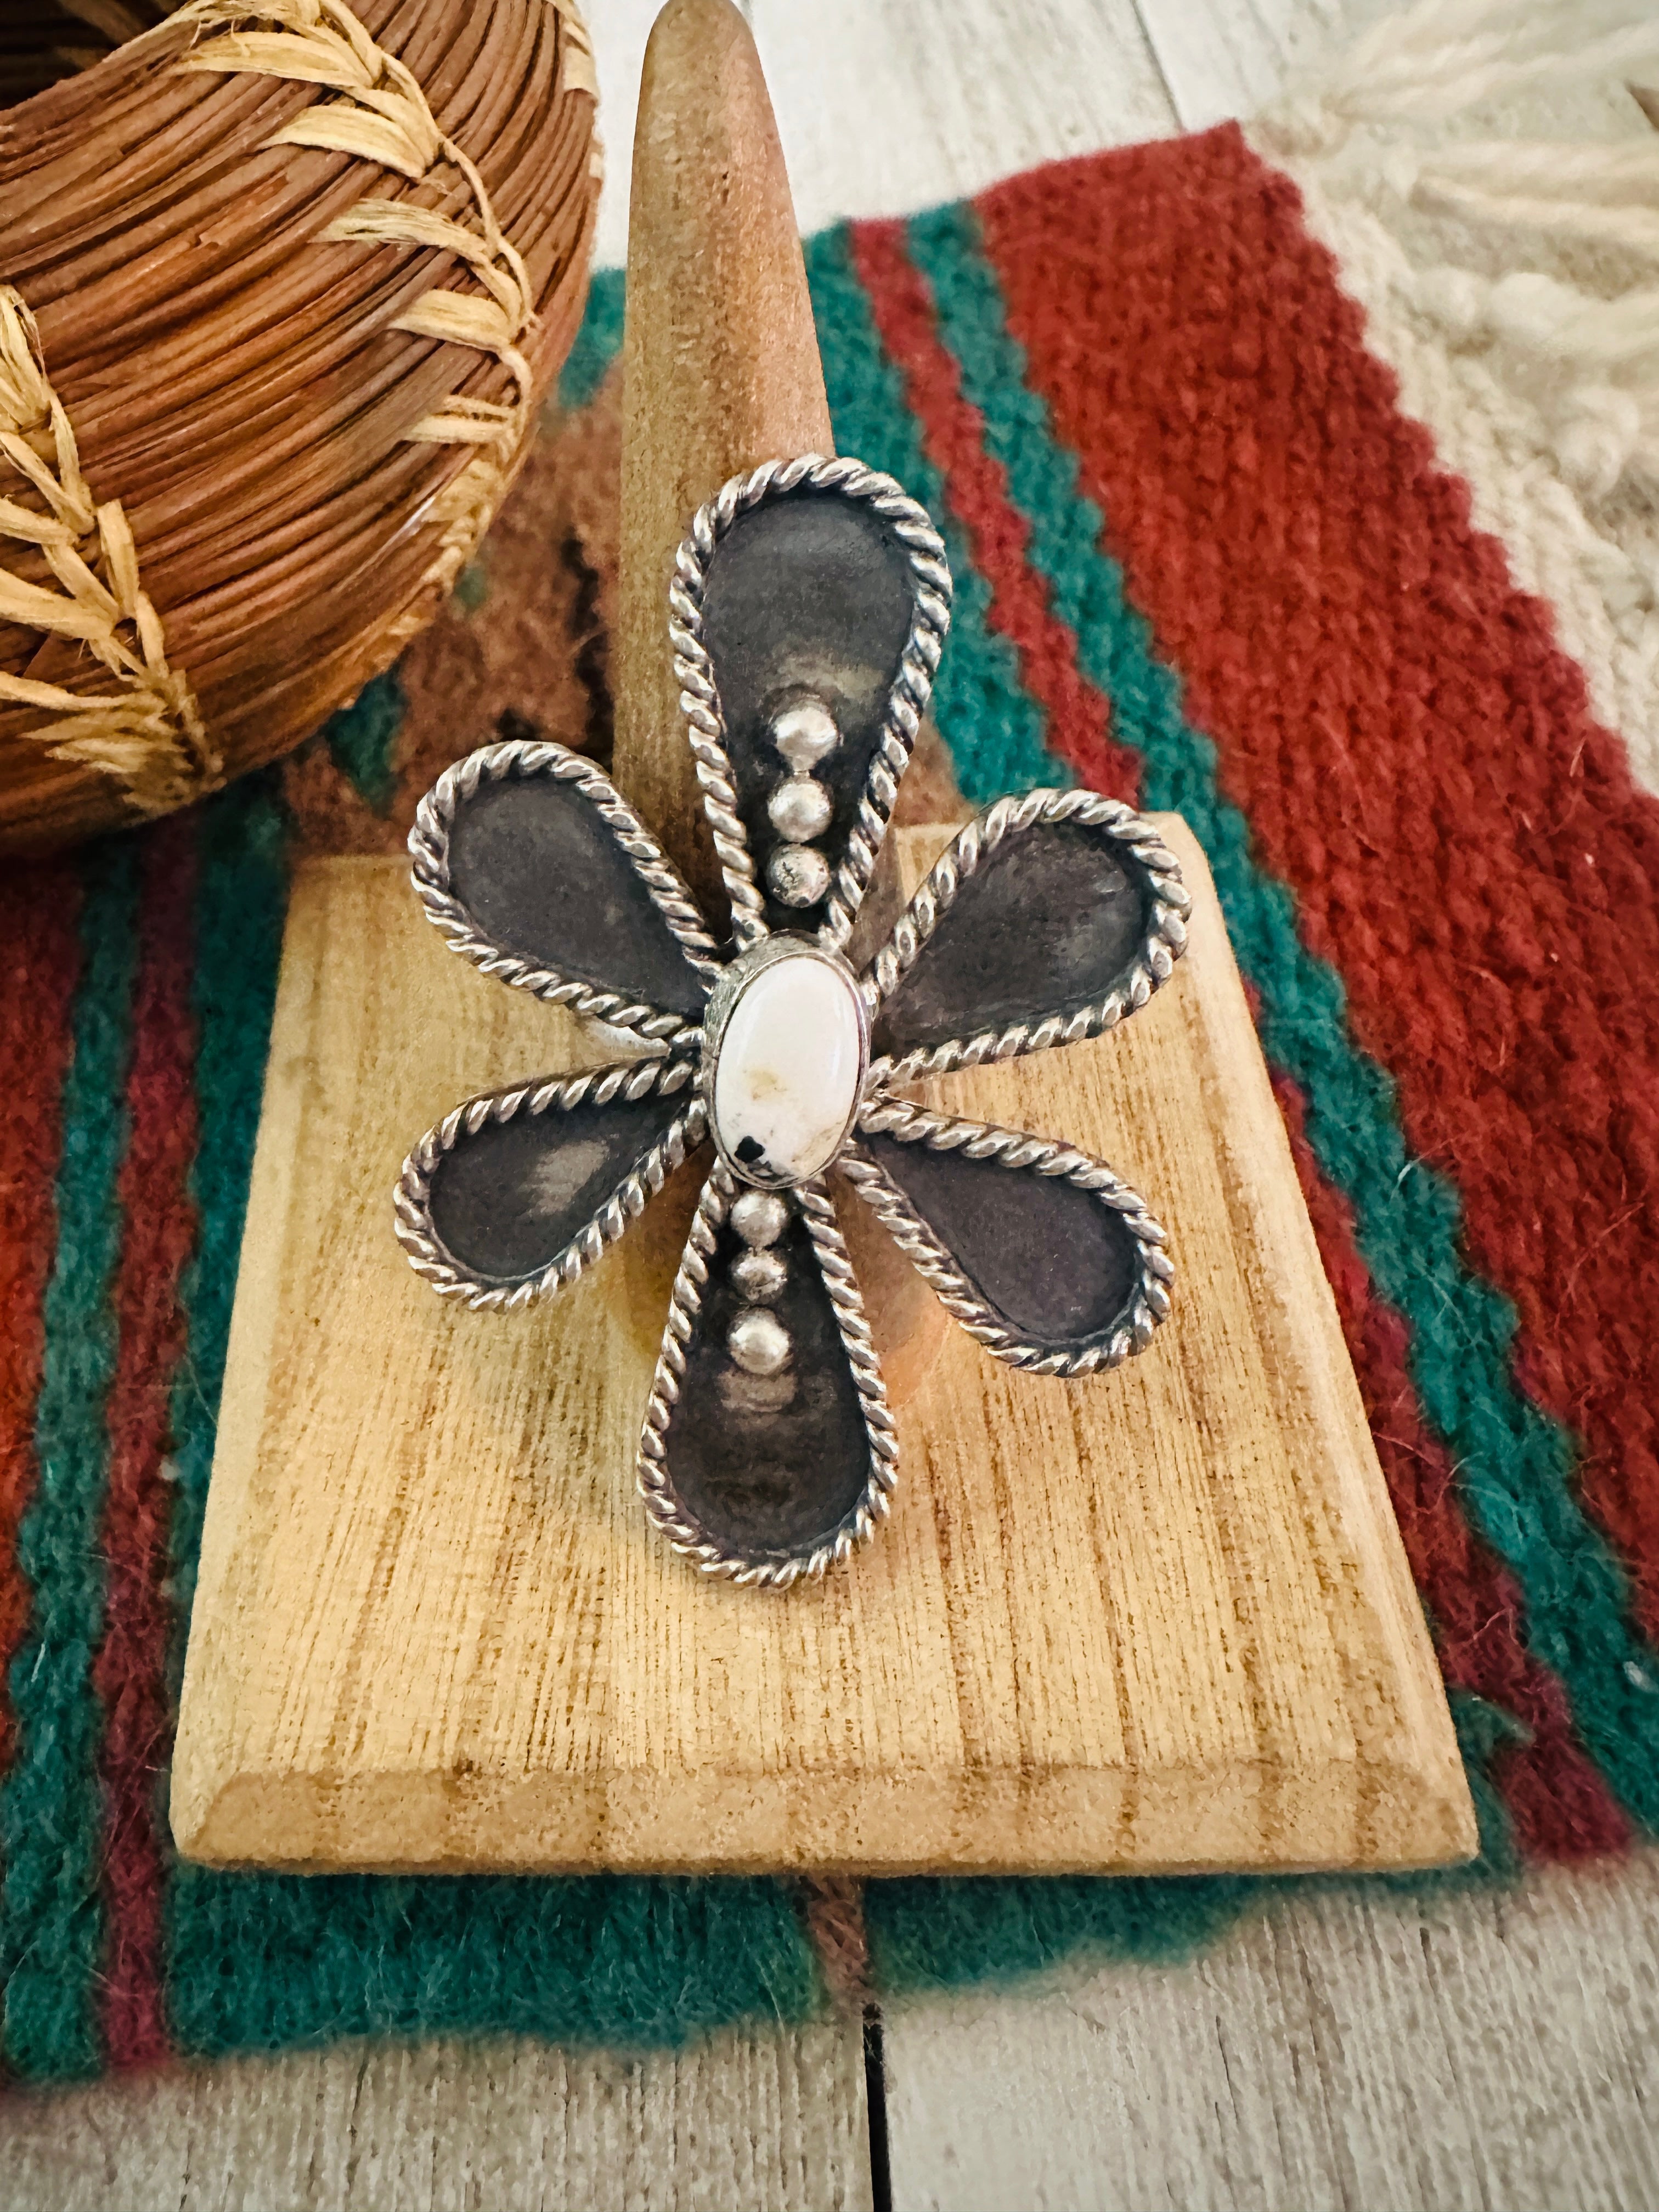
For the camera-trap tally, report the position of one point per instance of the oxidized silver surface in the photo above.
(1149, 1301)
(1071, 894)
(700, 699)
(558, 1094)
(1165, 939)
(429, 846)
(688, 1535)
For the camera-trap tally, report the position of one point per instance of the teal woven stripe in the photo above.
(985, 714)
(362, 738)
(931, 1932)
(263, 1961)
(241, 901)
(598, 341)
(52, 1923)
(1515, 1465)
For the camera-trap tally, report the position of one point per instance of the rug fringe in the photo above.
(1442, 57)
(1515, 278)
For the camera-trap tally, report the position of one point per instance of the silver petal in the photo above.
(539, 872)
(818, 584)
(511, 1196)
(1043, 1254)
(763, 1470)
(1050, 918)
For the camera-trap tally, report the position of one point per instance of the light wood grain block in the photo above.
(1159, 1618)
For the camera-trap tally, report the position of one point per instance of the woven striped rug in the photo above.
(1299, 482)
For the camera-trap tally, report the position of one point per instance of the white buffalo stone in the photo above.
(788, 1073)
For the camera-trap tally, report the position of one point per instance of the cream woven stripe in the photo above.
(147, 732)
(381, 115)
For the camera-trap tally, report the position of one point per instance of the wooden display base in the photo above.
(1157, 1620)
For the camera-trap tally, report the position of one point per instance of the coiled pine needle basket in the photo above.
(282, 288)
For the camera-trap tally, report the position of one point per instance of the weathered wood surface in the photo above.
(764, 2120)
(1359, 2049)
(886, 107)
(1227, 58)
(1155, 1619)
(1354, 2049)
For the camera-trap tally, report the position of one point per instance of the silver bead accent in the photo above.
(759, 1276)
(799, 874)
(804, 733)
(758, 1342)
(760, 1218)
(800, 809)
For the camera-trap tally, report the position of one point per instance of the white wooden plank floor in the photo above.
(887, 106)
(1228, 58)
(1354, 2051)
(762, 2120)
(1366, 2053)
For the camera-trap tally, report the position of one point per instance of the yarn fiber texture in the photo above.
(1206, 561)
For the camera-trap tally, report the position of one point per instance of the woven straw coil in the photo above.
(282, 288)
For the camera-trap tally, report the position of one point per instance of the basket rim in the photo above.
(77, 81)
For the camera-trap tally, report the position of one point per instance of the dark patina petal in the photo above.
(535, 868)
(1062, 1270)
(776, 1473)
(1056, 914)
(817, 588)
(519, 1189)
(810, 594)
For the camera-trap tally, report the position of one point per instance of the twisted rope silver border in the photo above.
(1162, 947)
(429, 846)
(628, 1079)
(1148, 1305)
(1165, 939)
(667, 1514)
(907, 701)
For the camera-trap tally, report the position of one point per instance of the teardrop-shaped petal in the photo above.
(517, 1191)
(808, 585)
(538, 871)
(767, 1450)
(1047, 920)
(1042, 1253)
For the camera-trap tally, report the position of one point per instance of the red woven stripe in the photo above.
(997, 534)
(1415, 756)
(1561, 1807)
(160, 1227)
(37, 926)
